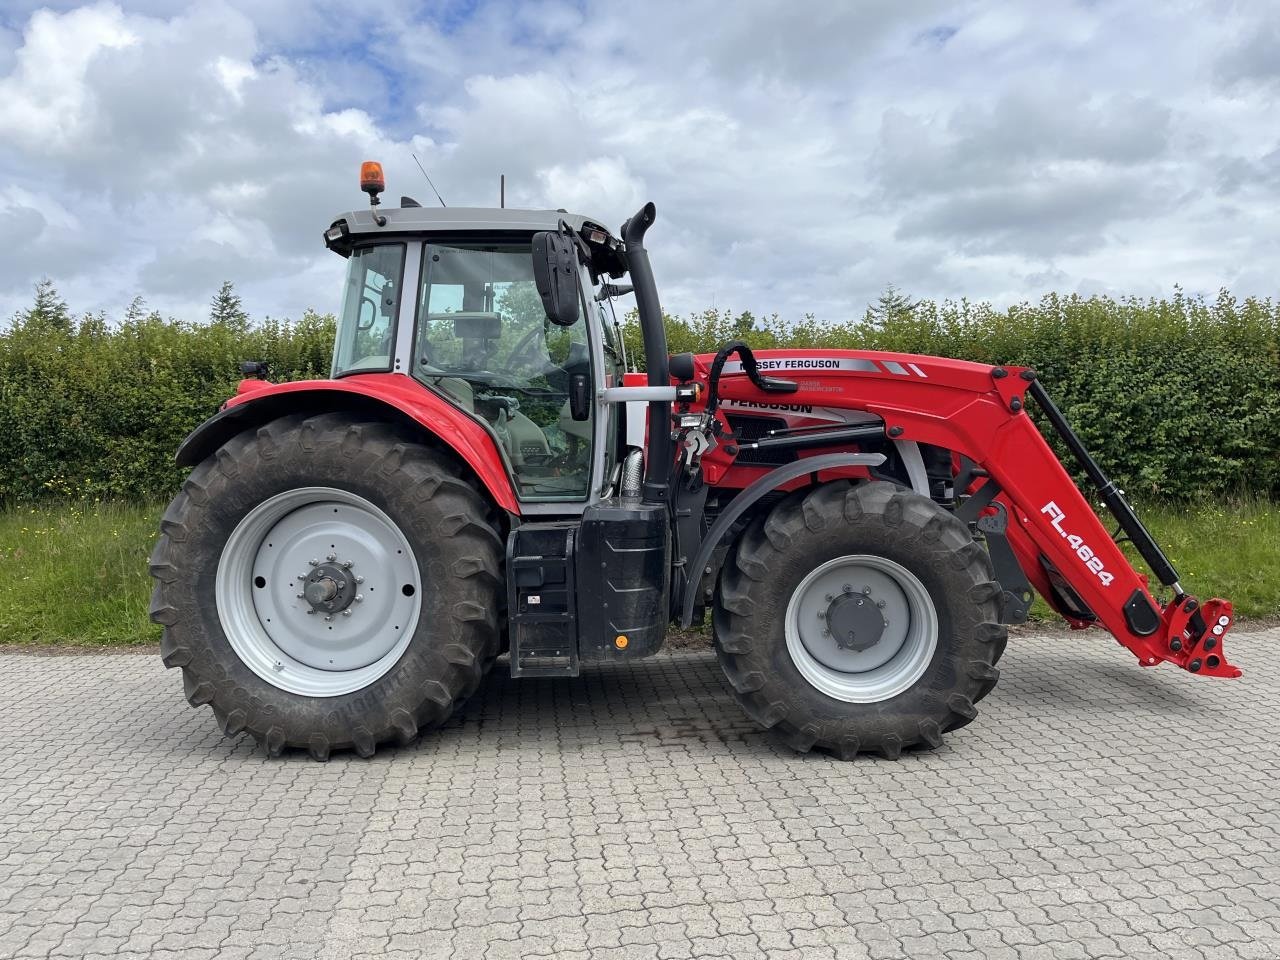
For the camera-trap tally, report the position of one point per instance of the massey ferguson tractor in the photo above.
(482, 474)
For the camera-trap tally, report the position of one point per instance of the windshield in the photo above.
(366, 328)
(484, 340)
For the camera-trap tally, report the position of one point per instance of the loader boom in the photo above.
(979, 413)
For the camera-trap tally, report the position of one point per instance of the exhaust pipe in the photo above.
(660, 452)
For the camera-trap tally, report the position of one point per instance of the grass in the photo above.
(1224, 550)
(76, 574)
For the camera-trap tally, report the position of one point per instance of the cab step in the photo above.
(542, 601)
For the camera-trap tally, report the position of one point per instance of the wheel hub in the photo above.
(330, 588)
(318, 591)
(861, 628)
(855, 622)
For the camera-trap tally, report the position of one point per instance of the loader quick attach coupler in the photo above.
(1194, 632)
(1186, 632)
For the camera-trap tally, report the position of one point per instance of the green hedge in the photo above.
(1179, 398)
(90, 409)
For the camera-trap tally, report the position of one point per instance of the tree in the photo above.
(136, 311)
(48, 310)
(891, 305)
(226, 309)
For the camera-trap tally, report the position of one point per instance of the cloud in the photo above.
(46, 103)
(799, 162)
(1250, 57)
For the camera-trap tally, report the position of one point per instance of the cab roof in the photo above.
(358, 226)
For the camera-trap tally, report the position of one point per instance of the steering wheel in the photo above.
(523, 352)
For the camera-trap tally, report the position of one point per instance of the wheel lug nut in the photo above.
(328, 618)
(347, 564)
(829, 598)
(822, 614)
(346, 613)
(866, 591)
(332, 557)
(880, 604)
(359, 597)
(310, 611)
(301, 596)
(359, 579)
(847, 588)
(314, 563)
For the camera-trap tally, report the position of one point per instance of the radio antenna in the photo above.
(429, 183)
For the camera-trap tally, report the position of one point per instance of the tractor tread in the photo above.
(318, 746)
(441, 504)
(750, 606)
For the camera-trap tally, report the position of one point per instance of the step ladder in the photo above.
(542, 600)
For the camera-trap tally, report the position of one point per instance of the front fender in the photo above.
(391, 397)
(743, 501)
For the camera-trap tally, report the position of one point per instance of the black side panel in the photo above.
(1067, 599)
(1143, 619)
(541, 600)
(624, 564)
(1017, 588)
(748, 427)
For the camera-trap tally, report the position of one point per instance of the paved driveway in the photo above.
(1094, 810)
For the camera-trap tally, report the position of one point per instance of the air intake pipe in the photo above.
(659, 453)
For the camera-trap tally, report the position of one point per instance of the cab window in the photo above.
(485, 343)
(366, 327)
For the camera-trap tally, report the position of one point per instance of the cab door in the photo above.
(484, 342)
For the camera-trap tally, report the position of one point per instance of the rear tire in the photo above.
(417, 502)
(909, 680)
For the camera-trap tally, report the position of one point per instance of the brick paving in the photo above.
(1093, 810)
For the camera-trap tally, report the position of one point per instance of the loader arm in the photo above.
(979, 412)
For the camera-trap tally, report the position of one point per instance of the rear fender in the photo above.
(390, 397)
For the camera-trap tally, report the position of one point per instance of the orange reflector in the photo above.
(371, 178)
(620, 642)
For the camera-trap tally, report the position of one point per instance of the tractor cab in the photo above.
(450, 297)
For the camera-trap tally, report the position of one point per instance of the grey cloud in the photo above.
(800, 159)
(1064, 214)
(203, 265)
(982, 144)
(1253, 57)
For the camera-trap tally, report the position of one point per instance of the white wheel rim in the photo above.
(892, 663)
(310, 539)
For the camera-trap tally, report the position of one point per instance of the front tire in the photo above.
(381, 631)
(858, 619)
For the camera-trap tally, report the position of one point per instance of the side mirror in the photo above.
(387, 307)
(580, 397)
(555, 271)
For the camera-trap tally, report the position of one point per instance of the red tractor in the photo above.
(481, 474)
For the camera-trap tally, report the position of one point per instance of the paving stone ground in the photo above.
(1094, 810)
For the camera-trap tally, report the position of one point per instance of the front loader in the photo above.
(483, 474)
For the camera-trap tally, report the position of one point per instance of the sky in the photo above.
(802, 156)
